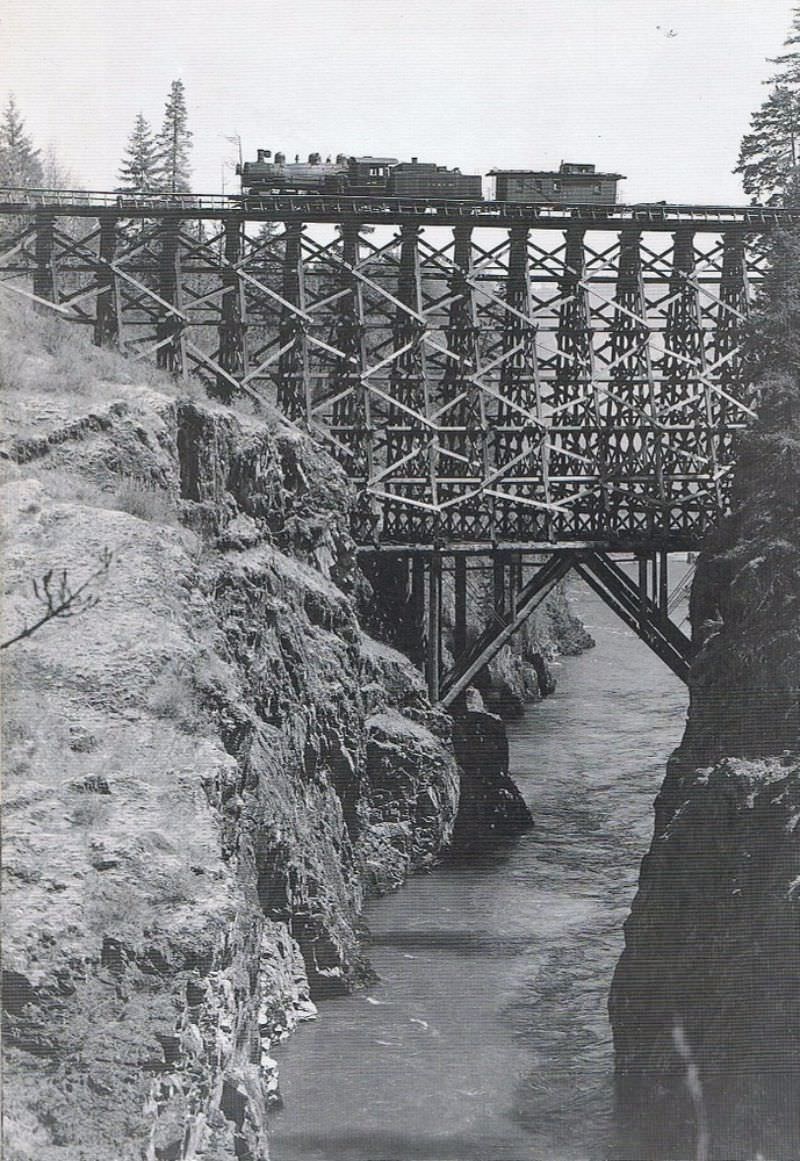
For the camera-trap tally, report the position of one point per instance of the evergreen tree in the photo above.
(174, 143)
(769, 157)
(20, 164)
(139, 170)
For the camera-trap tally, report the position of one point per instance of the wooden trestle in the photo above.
(536, 389)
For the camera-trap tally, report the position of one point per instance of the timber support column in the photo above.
(499, 584)
(411, 443)
(643, 594)
(352, 424)
(464, 441)
(170, 322)
(434, 661)
(44, 276)
(108, 314)
(417, 601)
(293, 363)
(733, 305)
(663, 583)
(519, 378)
(232, 353)
(624, 444)
(575, 389)
(460, 606)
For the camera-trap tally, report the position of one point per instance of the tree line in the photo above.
(769, 156)
(151, 160)
(159, 161)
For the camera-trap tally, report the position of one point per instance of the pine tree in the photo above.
(20, 164)
(139, 170)
(174, 143)
(769, 157)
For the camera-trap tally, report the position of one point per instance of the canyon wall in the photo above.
(705, 1003)
(208, 766)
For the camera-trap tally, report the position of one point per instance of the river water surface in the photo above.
(487, 1038)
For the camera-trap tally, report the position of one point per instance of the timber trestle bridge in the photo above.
(514, 390)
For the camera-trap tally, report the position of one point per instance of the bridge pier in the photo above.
(351, 409)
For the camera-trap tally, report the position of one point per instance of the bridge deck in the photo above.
(655, 216)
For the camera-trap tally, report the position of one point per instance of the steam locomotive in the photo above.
(573, 184)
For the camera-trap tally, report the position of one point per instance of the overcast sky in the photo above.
(660, 90)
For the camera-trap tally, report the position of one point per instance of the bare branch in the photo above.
(60, 599)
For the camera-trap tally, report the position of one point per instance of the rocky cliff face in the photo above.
(207, 769)
(706, 999)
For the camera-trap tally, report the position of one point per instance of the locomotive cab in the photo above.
(370, 174)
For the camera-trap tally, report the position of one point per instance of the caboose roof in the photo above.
(556, 173)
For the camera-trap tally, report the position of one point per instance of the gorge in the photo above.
(212, 770)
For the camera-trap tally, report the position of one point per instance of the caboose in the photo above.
(575, 183)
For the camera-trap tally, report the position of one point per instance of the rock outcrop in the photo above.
(522, 671)
(705, 1003)
(207, 768)
(491, 807)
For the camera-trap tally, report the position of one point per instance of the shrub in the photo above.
(146, 501)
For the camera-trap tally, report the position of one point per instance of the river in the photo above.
(487, 1037)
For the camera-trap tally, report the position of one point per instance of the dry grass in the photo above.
(145, 500)
(174, 696)
(42, 353)
(46, 354)
(69, 487)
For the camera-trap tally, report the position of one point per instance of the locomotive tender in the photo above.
(574, 183)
